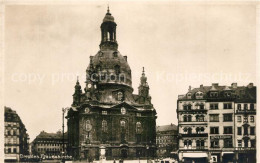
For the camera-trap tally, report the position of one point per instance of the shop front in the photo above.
(195, 157)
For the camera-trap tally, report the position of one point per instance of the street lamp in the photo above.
(63, 143)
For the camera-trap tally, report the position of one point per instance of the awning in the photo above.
(195, 155)
(228, 152)
(10, 157)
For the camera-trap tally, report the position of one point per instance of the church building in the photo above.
(106, 120)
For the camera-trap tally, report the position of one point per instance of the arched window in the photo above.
(189, 142)
(189, 106)
(185, 118)
(108, 36)
(184, 107)
(185, 143)
(189, 118)
(185, 130)
(201, 106)
(189, 130)
(122, 124)
(104, 126)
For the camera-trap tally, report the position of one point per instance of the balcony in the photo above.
(193, 147)
(195, 135)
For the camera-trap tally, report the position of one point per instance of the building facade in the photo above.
(166, 140)
(217, 124)
(107, 121)
(16, 137)
(50, 144)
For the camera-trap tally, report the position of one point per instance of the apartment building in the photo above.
(217, 124)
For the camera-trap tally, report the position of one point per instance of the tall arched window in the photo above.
(104, 126)
(138, 127)
(185, 118)
(123, 131)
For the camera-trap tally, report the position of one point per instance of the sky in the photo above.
(180, 44)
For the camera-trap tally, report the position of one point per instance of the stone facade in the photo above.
(209, 118)
(108, 121)
(16, 137)
(50, 144)
(166, 140)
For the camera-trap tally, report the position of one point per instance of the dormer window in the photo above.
(213, 94)
(227, 94)
(199, 95)
(189, 95)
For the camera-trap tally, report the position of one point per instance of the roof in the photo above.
(57, 135)
(166, 128)
(238, 93)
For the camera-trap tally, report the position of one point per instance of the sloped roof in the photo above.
(238, 92)
(166, 127)
(46, 135)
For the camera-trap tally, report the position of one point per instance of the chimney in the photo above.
(125, 58)
(189, 88)
(250, 85)
(201, 86)
(234, 85)
(214, 84)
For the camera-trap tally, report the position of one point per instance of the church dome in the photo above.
(108, 18)
(112, 65)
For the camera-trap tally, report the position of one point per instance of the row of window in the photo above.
(12, 132)
(188, 130)
(226, 130)
(50, 144)
(239, 106)
(9, 150)
(188, 118)
(228, 143)
(189, 106)
(246, 141)
(49, 149)
(215, 106)
(239, 119)
(122, 124)
(245, 130)
(199, 95)
(11, 140)
(123, 111)
(226, 117)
